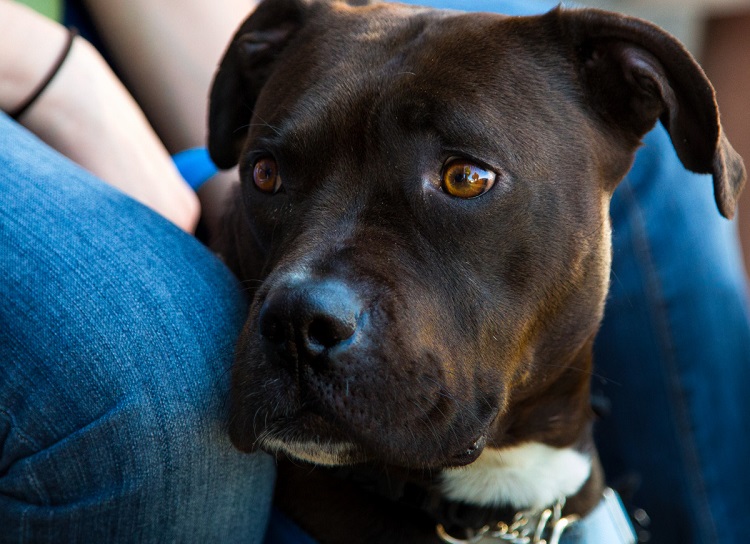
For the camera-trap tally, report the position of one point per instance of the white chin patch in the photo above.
(528, 476)
(331, 454)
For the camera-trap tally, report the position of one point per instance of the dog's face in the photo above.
(423, 221)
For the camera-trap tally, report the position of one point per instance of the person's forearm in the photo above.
(167, 52)
(24, 58)
(87, 114)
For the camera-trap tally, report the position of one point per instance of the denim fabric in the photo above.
(673, 354)
(116, 334)
(282, 530)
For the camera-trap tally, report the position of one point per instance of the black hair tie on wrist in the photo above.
(26, 104)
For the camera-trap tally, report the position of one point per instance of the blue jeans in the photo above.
(116, 336)
(673, 354)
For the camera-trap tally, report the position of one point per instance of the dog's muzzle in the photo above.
(311, 323)
(326, 360)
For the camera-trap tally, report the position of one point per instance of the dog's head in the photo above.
(423, 217)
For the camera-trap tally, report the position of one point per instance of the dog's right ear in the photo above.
(243, 71)
(635, 73)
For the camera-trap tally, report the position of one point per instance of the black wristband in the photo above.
(26, 104)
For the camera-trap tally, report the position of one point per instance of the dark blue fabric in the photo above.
(75, 15)
(117, 331)
(282, 530)
(673, 353)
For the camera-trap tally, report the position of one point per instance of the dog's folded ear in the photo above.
(243, 71)
(635, 73)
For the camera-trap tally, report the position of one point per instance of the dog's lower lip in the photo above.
(472, 452)
(304, 425)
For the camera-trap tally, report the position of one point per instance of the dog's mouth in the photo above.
(329, 449)
(308, 436)
(326, 374)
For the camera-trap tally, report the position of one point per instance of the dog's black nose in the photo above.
(310, 319)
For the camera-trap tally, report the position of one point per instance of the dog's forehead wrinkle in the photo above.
(379, 110)
(362, 67)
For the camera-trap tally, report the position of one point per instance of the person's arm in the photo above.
(87, 114)
(167, 53)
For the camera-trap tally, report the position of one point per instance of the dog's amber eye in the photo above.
(266, 175)
(466, 180)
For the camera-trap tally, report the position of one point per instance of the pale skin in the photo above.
(167, 51)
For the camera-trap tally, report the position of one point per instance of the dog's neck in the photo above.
(528, 476)
(499, 485)
(551, 456)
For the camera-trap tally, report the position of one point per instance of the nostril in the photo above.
(306, 321)
(328, 331)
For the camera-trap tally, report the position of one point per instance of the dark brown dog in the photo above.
(423, 221)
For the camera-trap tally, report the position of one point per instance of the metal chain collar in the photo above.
(528, 527)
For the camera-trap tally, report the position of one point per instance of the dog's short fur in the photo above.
(394, 324)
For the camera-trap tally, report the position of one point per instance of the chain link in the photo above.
(527, 527)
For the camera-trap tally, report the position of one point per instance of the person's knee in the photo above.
(153, 457)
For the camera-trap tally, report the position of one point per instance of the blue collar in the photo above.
(608, 522)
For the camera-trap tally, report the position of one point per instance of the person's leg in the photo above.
(116, 335)
(673, 354)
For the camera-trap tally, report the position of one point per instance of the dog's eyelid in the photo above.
(468, 158)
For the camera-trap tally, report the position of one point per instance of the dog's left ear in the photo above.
(635, 73)
(243, 71)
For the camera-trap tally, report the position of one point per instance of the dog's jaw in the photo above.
(528, 476)
(323, 454)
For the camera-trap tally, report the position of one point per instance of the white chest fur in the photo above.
(528, 476)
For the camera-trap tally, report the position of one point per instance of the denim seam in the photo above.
(27, 440)
(679, 408)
